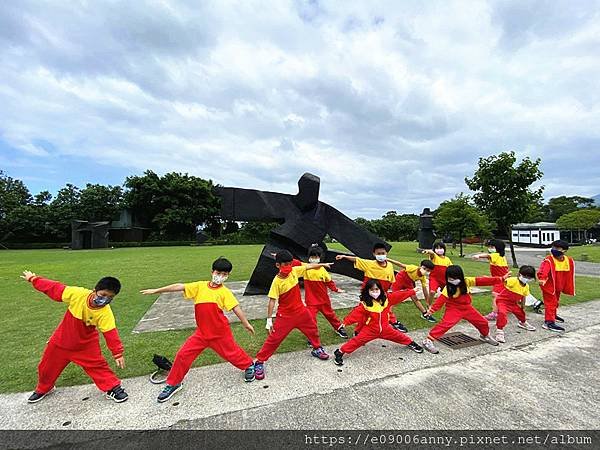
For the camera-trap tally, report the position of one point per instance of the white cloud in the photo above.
(391, 105)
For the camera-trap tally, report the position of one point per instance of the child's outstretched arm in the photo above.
(348, 257)
(247, 325)
(52, 289)
(479, 256)
(396, 263)
(437, 305)
(177, 287)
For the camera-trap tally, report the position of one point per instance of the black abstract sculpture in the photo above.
(304, 221)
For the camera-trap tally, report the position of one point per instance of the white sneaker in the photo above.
(428, 345)
(500, 336)
(488, 339)
(526, 326)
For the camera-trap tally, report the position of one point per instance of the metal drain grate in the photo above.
(459, 340)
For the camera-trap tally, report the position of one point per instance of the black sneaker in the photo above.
(249, 374)
(398, 326)
(428, 317)
(415, 347)
(339, 357)
(309, 344)
(117, 394)
(552, 327)
(341, 332)
(36, 396)
(355, 333)
(559, 319)
(168, 392)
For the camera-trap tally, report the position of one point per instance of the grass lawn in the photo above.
(30, 317)
(589, 253)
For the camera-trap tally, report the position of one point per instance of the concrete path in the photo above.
(537, 380)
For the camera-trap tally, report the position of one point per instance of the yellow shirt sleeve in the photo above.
(299, 271)
(361, 264)
(274, 291)
(326, 275)
(229, 300)
(106, 320)
(470, 281)
(73, 293)
(191, 290)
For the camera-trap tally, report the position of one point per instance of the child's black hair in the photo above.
(527, 271)
(428, 264)
(315, 250)
(499, 245)
(108, 284)
(456, 273)
(561, 244)
(222, 265)
(284, 256)
(439, 244)
(378, 246)
(366, 298)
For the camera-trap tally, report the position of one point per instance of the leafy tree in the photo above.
(99, 203)
(503, 190)
(583, 219)
(458, 218)
(172, 204)
(559, 206)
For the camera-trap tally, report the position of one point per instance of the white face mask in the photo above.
(439, 251)
(381, 258)
(454, 282)
(425, 272)
(375, 294)
(219, 279)
(314, 260)
(524, 280)
(491, 250)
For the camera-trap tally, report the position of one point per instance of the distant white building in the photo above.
(539, 233)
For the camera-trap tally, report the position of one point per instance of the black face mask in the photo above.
(101, 301)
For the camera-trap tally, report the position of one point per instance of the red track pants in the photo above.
(283, 326)
(550, 306)
(224, 346)
(327, 311)
(508, 307)
(367, 334)
(55, 359)
(453, 315)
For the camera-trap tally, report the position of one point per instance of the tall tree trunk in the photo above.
(512, 249)
(461, 246)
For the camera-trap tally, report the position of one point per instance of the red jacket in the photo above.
(79, 326)
(547, 271)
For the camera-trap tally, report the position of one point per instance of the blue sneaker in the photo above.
(259, 370)
(249, 374)
(168, 392)
(320, 353)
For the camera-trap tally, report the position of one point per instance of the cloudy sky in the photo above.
(390, 103)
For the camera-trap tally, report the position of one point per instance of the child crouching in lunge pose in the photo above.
(373, 314)
(316, 296)
(291, 312)
(406, 279)
(457, 298)
(512, 299)
(76, 338)
(498, 268)
(213, 331)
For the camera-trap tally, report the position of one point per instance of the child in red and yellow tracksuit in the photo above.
(511, 299)
(373, 314)
(437, 277)
(316, 297)
(407, 278)
(210, 298)
(556, 276)
(379, 269)
(76, 338)
(291, 312)
(498, 268)
(457, 298)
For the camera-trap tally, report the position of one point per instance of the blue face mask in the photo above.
(556, 253)
(101, 301)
